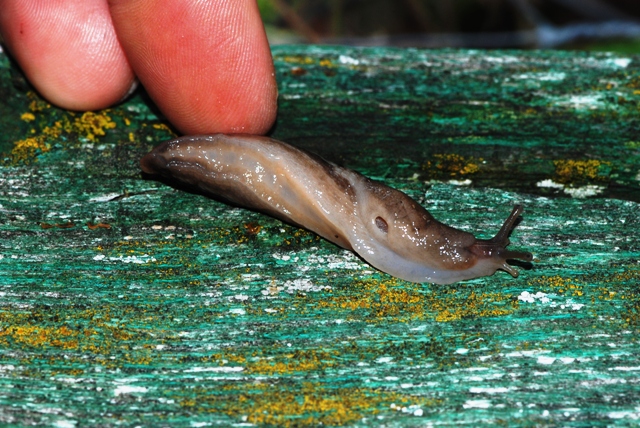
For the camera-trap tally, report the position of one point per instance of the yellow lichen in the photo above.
(454, 305)
(162, 127)
(311, 404)
(90, 331)
(384, 300)
(266, 367)
(560, 285)
(28, 117)
(39, 336)
(92, 124)
(451, 165)
(298, 59)
(573, 170)
(37, 104)
(29, 148)
(298, 361)
(89, 126)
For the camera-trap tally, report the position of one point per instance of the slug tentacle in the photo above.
(495, 248)
(382, 225)
(502, 237)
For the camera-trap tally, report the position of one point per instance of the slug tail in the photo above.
(152, 163)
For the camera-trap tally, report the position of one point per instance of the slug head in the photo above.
(416, 247)
(407, 230)
(493, 252)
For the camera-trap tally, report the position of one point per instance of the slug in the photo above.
(382, 225)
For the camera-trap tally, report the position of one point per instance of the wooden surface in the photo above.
(124, 301)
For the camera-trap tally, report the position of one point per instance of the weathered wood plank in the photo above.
(123, 300)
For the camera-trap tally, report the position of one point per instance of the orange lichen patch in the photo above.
(164, 127)
(560, 285)
(455, 305)
(621, 277)
(622, 289)
(90, 124)
(28, 117)
(450, 165)
(573, 170)
(631, 313)
(298, 361)
(29, 148)
(380, 298)
(37, 104)
(67, 371)
(225, 358)
(394, 301)
(39, 336)
(402, 302)
(89, 331)
(266, 367)
(326, 63)
(311, 404)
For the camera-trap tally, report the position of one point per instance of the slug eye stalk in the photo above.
(495, 247)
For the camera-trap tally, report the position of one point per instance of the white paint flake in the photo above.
(619, 62)
(575, 192)
(477, 404)
(489, 390)
(142, 259)
(64, 423)
(128, 389)
(344, 59)
(584, 191)
(230, 369)
(546, 360)
(527, 297)
(542, 77)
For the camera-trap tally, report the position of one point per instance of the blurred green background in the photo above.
(605, 25)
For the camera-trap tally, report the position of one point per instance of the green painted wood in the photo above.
(125, 302)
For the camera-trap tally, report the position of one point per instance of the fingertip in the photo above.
(68, 50)
(206, 64)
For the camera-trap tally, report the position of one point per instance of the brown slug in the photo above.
(382, 225)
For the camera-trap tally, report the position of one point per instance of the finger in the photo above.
(68, 49)
(206, 64)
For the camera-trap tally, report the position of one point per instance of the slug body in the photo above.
(384, 226)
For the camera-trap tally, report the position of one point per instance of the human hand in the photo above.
(205, 63)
